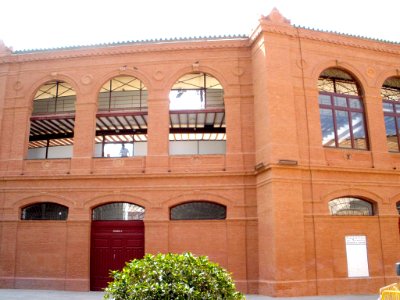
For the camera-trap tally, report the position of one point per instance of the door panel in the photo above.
(113, 243)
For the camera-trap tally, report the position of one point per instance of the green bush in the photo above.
(171, 276)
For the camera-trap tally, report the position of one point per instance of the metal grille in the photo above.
(54, 97)
(337, 81)
(198, 210)
(122, 211)
(122, 93)
(391, 89)
(45, 211)
(349, 206)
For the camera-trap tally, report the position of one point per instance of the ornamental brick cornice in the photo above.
(327, 37)
(276, 23)
(349, 41)
(129, 48)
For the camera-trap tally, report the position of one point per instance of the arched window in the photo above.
(198, 210)
(118, 211)
(341, 111)
(197, 115)
(398, 207)
(52, 121)
(45, 211)
(121, 121)
(390, 93)
(350, 206)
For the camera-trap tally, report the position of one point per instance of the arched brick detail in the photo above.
(199, 196)
(385, 75)
(371, 197)
(44, 197)
(109, 198)
(201, 69)
(346, 67)
(58, 77)
(15, 211)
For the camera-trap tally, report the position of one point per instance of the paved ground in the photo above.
(17, 294)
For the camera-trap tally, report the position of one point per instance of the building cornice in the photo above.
(328, 37)
(275, 23)
(145, 47)
(348, 40)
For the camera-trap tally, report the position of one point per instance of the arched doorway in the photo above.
(117, 236)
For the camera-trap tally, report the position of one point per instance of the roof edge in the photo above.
(136, 42)
(372, 39)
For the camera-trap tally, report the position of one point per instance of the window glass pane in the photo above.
(340, 101)
(324, 99)
(355, 103)
(337, 81)
(349, 206)
(357, 122)
(391, 89)
(118, 211)
(398, 124)
(326, 85)
(387, 107)
(343, 129)
(391, 136)
(328, 134)
(346, 87)
(45, 211)
(199, 210)
(397, 108)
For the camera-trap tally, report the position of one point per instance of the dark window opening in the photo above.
(121, 120)
(45, 211)
(198, 210)
(197, 116)
(52, 122)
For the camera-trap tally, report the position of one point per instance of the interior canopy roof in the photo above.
(122, 84)
(54, 89)
(197, 81)
(391, 89)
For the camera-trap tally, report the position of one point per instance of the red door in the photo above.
(112, 244)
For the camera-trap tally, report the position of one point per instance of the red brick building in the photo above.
(275, 154)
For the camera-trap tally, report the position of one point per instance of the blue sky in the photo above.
(35, 24)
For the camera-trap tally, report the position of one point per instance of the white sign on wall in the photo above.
(357, 256)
